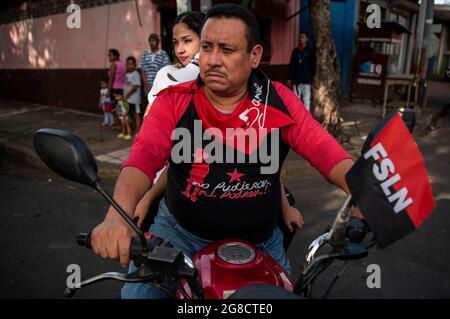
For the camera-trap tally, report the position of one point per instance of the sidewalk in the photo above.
(19, 121)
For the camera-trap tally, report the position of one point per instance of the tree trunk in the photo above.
(327, 77)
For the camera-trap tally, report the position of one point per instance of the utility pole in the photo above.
(429, 13)
(183, 6)
(186, 5)
(426, 14)
(419, 35)
(205, 5)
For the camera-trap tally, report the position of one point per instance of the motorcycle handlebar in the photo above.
(136, 249)
(84, 239)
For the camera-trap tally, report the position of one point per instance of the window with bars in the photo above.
(380, 47)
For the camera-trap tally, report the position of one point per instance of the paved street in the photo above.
(41, 216)
(92, 68)
(42, 213)
(415, 267)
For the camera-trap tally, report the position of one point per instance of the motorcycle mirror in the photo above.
(67, 155)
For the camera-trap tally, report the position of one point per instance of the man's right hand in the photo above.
(111, 239)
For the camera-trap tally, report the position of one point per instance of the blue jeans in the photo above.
(108, 118)
(167, 227)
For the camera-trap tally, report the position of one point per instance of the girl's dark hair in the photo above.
(114, 52)
(193, 20)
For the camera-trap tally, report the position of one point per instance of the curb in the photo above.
(291, 169)
(33, 160)
(20, 155)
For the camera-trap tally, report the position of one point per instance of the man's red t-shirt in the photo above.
(221, 200)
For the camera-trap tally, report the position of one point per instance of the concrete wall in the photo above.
(43, 61)
(47, 43)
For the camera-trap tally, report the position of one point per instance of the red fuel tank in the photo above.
(227, 265)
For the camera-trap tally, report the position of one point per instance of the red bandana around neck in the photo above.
(262, 108)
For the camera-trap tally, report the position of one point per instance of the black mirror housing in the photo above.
(67, 155)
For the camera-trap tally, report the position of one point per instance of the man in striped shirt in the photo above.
(152, 60)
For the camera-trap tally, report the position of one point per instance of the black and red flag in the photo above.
(389, 182)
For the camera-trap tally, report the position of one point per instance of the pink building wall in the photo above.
(47, 43)
(63, 67)
(284, 33)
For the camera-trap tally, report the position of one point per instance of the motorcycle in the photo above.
(229, 268)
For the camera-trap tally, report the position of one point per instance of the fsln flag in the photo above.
(389, 182)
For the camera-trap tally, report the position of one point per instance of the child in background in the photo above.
(122, 109)
(132, 90)
(105, 104)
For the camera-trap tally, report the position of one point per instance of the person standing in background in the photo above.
(104, 104)
(122, 108)
(152, 60)
(116, 73)
(132, 90)
(301, 70)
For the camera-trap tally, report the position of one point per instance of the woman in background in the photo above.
(116, 75)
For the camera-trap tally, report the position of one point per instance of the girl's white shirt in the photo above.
(172, 75)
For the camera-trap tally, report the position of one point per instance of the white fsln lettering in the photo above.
(401, 201)
(388, 183)
(375, 151)
(381, 172)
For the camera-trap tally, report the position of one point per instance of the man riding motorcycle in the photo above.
(210, 195)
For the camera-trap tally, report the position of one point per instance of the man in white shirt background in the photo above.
(152, 60)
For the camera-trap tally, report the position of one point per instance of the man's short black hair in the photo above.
(132, 58)
(229, 10)
(153, 36)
